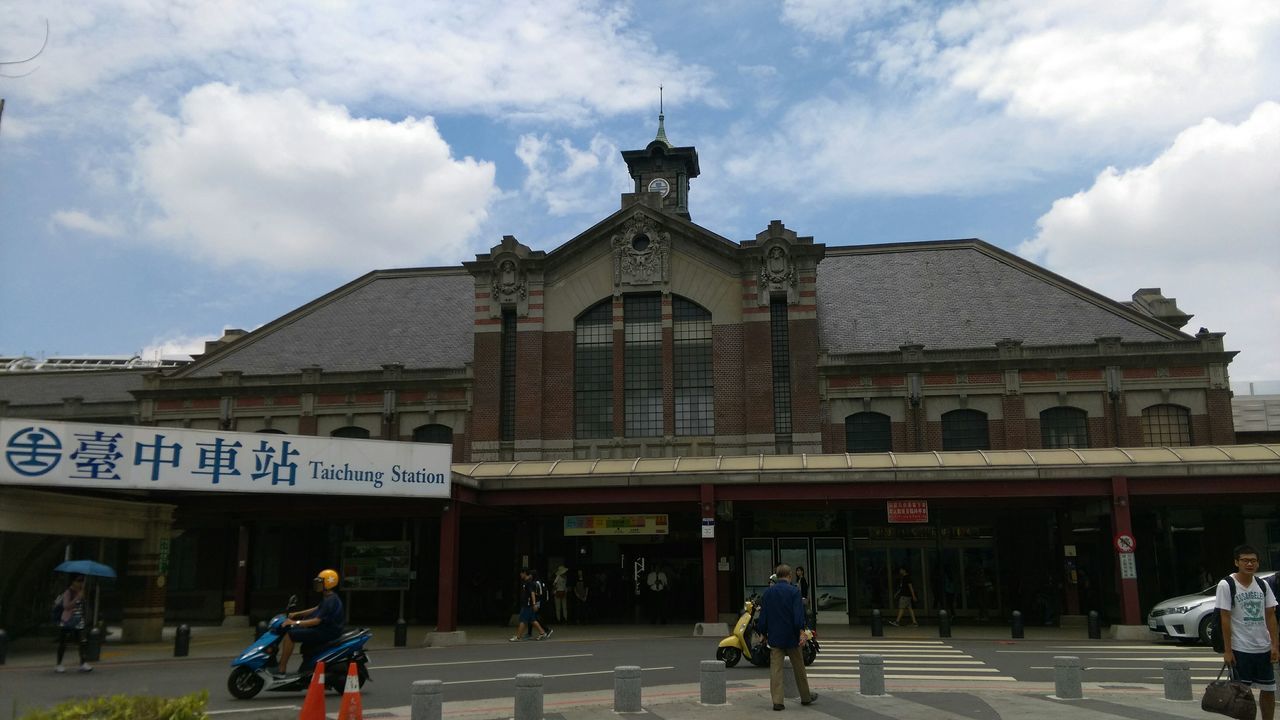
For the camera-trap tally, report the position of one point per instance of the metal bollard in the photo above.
(182, 641)
(1017, 625)
(626, 689)
(1095, 625)
(93, 646)
(1066, 677)
(944, 624)
(428, 700)
(1177, 680)
(529, 696)
(877, 624)
(871, 674)
(789, 687)
(402, 633)
(260, 629)
(712, 683)
(4, 645)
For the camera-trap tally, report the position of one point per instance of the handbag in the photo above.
(1229, 697)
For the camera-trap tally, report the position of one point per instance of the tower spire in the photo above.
(662, 131)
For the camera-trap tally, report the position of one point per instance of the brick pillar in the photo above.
(144, 585)
(710, 575)
(726, 367)
(529, 370)
(1014, 409)
(1222, 429)
(447, 597)
(487, 388)
(557, 385)
(757, 378)
(806, 415)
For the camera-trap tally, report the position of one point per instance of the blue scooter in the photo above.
(252, 672)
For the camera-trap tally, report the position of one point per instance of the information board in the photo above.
(375, 565)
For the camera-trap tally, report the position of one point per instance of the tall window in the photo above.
(507, 389)
(1166, 426)
(351, 431)
(642, 358)
(965, 430)
(593, 373)
(1064, 427)
(779, 341)
(433, 434)
(867, 432)
(694, 384)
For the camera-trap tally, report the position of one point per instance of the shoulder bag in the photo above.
(1230, 698)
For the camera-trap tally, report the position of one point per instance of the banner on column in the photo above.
(43, 453)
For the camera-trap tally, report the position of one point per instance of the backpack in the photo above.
(1214, 628)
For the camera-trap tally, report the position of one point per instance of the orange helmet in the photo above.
(328, 579)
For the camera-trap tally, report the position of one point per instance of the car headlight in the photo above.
(1182, 609)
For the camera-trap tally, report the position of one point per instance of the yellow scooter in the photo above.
(746, 642)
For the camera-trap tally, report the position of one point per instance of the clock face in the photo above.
(660, 186)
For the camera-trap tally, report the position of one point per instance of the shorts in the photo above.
(527, 614)
(904, 603)
(1255, 669)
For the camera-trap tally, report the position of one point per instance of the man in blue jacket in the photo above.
(782, 621)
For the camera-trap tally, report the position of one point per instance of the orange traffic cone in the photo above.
(313, 706)
(351, 709)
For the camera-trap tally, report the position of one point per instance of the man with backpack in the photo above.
(1246, 608)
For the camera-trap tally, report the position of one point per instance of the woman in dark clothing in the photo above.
(69, 609)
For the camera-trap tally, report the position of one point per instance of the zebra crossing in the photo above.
(1148, 660)
(903, 660)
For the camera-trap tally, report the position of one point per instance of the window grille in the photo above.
(507, 389)
(433, 434)
(642, 360)
(1166, 426)
(694, 378)
(867, 432)
(1064, 427)
(781, 353)
(965, 430)
(593, 373)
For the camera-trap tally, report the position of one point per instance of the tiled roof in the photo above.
(49, 388)
(963, 294)
(421, 319)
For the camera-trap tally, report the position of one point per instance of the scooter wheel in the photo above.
(729, 656)
(244, 683)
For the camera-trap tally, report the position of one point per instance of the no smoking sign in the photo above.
(1125, 543)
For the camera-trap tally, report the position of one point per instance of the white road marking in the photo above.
(478, 662)
(560, 675)
(967, 678)
(252, 709)
(900, 669)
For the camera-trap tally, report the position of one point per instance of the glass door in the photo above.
(830, 582)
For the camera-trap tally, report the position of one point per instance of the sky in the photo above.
(172, 169)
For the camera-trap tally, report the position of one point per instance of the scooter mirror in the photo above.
(293, 602)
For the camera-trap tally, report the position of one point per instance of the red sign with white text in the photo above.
(908, 511)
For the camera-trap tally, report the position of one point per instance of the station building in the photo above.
(652, 396)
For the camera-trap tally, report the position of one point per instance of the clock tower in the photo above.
(665, 170)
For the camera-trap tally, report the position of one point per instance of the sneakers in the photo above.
(543, 636)
(813, 698)
(513, 638)
(59, 668)
(893, 623)
(548, 633)
(86, 667)
(779, 706)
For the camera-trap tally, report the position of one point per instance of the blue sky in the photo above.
(168, 170)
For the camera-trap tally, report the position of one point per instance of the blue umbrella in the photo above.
(85, 567)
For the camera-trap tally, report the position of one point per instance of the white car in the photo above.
(1186, 617)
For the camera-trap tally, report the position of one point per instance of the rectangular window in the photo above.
(642, 358)
(507, 388)
(780, 342)
(593, 373)
(694, 383)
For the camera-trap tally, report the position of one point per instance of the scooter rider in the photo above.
(318, 625)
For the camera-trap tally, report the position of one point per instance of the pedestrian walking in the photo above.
(782, 622)
(68, 612)
(529, 608)
(906, 597)
(806, 594)
(581, 596)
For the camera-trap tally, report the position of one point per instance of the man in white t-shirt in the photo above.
(1249, 641)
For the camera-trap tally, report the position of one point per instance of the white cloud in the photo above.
(540, 58)
(290, 183)
(831, 19)
(571, 180)
(179, 346)
(81, 221)
(1201, 221)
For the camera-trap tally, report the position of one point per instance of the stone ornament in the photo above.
(776, 270)
(641, 253)
(509, 283)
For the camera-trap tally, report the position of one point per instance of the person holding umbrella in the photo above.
(69, 613)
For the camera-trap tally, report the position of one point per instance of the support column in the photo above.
(241, 596)
(144, 591)
(447, 603)
(710, 593)
(1121, 524)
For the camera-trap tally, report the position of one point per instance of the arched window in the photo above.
(351, 431)
(433, 434)
(867, 432)
(270, 431)
(965, 430)
(1166, 426)
(593, 372)
(642, 362)
(1064, 427)
(693, 373)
